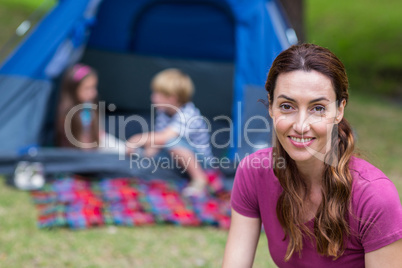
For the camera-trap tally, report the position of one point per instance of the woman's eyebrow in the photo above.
(319, 99)
(312, 101)
(286, 97)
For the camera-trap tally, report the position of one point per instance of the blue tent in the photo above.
(227, 47)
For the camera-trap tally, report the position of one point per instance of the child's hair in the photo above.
(173, 82)
(71, 81)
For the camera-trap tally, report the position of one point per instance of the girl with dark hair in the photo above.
(77, 124)
(78, 89)
(320, 205)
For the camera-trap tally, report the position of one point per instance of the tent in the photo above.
(227, 47)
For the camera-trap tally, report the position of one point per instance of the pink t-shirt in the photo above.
(375, 202)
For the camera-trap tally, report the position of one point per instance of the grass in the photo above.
(378, 125)
(12, 14)
(364, 34)
(22, 244)
(379, 130)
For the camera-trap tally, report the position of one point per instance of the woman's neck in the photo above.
(312, 171)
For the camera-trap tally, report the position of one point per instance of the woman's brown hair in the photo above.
(71, 81)
(331, 227)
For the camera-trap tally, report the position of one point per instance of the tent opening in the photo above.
(163, 35)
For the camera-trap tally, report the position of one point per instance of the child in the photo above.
(179, 128)
(78, 115)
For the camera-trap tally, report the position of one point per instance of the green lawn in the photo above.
(12, 14)
(366, 35)
(22, 244)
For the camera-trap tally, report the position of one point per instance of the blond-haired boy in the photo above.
(179, 129)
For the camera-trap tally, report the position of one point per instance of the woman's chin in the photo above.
(301, 155)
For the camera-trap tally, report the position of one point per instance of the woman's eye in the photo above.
(285, 107)
(319, 109)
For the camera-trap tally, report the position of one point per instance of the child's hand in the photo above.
(130, 150)
(133, 143)
(150, 151)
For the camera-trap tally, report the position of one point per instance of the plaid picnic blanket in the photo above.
(78, 202)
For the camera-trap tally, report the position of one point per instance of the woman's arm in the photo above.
(242, 241)
(386, 257)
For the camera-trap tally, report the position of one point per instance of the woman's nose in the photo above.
(301, 124)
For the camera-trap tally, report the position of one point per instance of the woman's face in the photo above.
(304, 111)
(87, 90)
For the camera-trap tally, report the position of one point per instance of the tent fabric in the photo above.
(256, 125)
(66, 160)
(246, 34)
(24, 105)
(134, 73)
(195, 23)
(74, 161)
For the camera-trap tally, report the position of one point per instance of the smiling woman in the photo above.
(325, 207)
(306, 118)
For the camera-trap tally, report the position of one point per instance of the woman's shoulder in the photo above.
(255, 173)
(262, 160)
(370, 184)
(259, 156)
(375, 206)
(363, 170)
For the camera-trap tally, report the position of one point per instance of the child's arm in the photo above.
(160, 138)
(152, 139)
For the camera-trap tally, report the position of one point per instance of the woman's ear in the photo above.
(340, 111)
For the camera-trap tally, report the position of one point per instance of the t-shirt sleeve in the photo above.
(244, 198)
(380, 214)
(161, 121)
(178, 122)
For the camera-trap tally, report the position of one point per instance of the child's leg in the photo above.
(184, 155)
(188, 161)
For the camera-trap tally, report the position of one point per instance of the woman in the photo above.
(320, 205)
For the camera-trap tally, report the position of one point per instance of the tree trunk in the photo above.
(295, 13)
